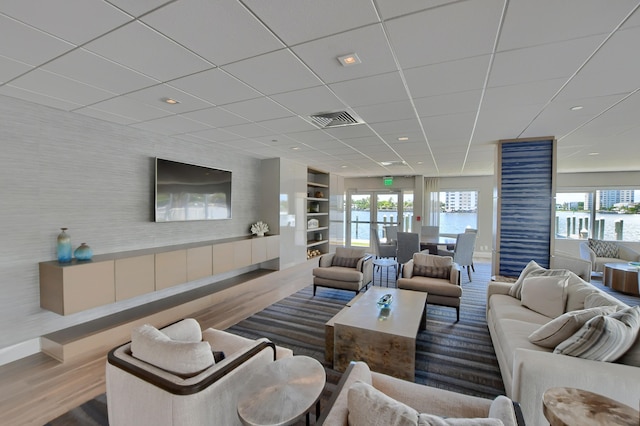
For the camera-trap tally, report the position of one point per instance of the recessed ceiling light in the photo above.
(386, 163)
(344, 166)
(576, 108)
(170, 101)
(350, 59)
(419, 162)
(403, 138)
(295, 148)
(594, 153)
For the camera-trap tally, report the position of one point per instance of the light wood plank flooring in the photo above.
(37, 389)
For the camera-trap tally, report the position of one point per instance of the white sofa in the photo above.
(529, 369)
(181, 392)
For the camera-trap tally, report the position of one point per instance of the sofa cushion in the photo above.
(154, 347)
(507, 307)
(601, 298)
(346, 262)
(545, 294)
(577, 291)
(603, 248)
(604, 337)
(561, 328)
(516, 289)
(514, 334)
(631, 356)
(370, 407)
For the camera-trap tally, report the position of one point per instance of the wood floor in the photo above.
(37, 389)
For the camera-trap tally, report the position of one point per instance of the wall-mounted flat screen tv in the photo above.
(189, 192)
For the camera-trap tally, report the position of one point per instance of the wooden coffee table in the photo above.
(621, 277)
(384, 339)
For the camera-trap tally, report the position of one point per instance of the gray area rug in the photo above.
(449, 355)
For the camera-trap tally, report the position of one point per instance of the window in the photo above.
(458, 211)
(604, 214)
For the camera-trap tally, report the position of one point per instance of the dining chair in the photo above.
(429, 238)
(463, 252)
(391, 232)
(382, 250)
(408, 244)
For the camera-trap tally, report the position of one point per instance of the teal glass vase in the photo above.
(83, 252)
(63, 247)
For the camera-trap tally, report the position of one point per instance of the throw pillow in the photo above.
(545, 294)
(443, 272)
(184, 358)
(347, 262)
(604, 337)
(560, 329)
(599, 298)
(603, 248)
(187, 330)
(425, 259)
(516, 289)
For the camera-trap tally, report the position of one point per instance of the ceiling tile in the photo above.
(448, 77)
(171, 125)
(220, 31)
(249, 130)
(216, 117)
(139, 7)
(273, 66)
(137, 46)
(369, 43)
(89, 68)
(451, 103)
(215, 86)
(130, 108)
(410, 128)
(446, 33)
(106, 116)
(258, 109)
(309, 101)
(34, 47)
(216, 135)
(388, 111)
(392, 8)
(61, 17)
(453, 126)
(296, 21)
(371, 90)
(154, 96)
(59, 87)
(541, 62)
(10, 69)
(288, 124)
(38, 98)
(533, 93)
(570, 19)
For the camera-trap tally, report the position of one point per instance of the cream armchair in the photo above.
(177, 381)
(599, 252)
(385, 393)
(439, 276)
(346, 269)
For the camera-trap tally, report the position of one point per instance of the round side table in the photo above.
(282, 392)
(385, 263)
(569, 407)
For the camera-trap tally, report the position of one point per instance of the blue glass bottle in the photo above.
(63, 248)
(83, 252)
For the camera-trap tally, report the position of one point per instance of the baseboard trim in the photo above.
(19, 350)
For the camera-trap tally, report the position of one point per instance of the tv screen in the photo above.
(190, 192)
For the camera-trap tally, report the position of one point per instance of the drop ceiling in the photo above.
(450, 78)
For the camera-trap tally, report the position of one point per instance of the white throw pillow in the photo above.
(516, 288)
(604, 337)
(545, 294)
(187, 358)
(560, 329)
(186, 330)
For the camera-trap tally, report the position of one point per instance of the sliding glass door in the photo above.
(372, 210)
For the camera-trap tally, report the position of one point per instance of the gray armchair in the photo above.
(346, 269)
(599, 252)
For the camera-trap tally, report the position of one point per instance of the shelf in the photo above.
(318, 214)
(319, 228)
(314, 243)
(317, 199)
(317, 185)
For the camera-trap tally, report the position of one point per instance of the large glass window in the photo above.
(458, 211)
(604, 214)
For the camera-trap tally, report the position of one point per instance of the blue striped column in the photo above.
(526, 198)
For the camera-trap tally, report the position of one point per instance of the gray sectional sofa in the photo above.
(555, 317)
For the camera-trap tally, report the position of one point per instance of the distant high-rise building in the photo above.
(608, 198)
(461, 201)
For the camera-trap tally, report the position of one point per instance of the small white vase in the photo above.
(260, 234)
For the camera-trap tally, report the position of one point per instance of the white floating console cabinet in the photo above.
(77, 286)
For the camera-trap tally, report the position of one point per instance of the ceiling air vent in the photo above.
(335, 119)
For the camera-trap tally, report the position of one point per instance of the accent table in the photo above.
(385, 263)
(621, 277)
(569, 406)
(281, 392)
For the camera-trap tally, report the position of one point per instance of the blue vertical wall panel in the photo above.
(526, 197)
